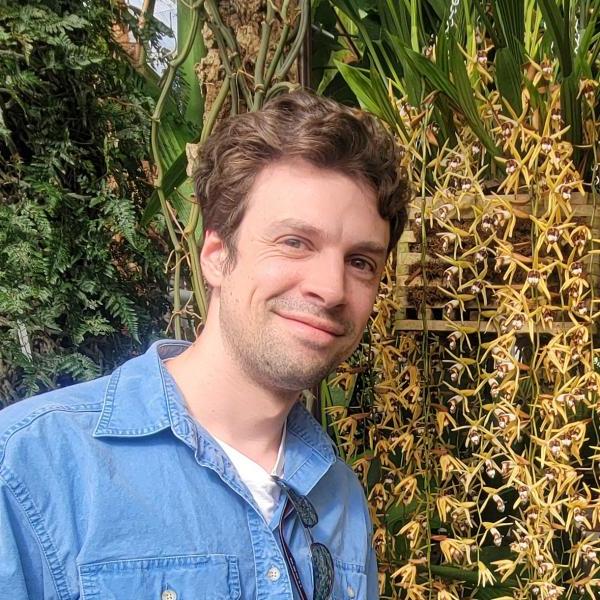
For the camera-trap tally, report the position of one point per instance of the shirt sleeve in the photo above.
(372, 576)
(22, 568)
(371, 562)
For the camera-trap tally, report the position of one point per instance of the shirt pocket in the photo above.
(349, 581)
(191, 577)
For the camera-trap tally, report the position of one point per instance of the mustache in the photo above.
(299, 307)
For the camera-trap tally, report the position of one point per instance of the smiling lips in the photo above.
(333, 329)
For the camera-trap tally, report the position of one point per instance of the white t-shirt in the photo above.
(260, 483)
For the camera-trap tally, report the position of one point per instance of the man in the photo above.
(192, 471)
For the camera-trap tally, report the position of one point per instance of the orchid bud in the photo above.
(496, 536)
(553, 235)
(499, 503)
(523, 493)
(511, 166)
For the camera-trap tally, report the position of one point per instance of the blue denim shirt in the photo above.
(110, 490)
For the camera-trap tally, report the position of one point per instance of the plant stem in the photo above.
(280, 45)
(226, 40)
(297, 43)
(189, 233)
(158, 161)
(259, 68)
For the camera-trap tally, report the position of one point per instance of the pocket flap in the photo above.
(191, 577)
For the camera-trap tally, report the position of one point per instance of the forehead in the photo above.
(336, 203)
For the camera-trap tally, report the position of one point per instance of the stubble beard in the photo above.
(264, 354)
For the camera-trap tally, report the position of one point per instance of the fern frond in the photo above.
(123, 311)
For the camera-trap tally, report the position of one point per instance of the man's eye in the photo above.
(293, 242)
(362, 264)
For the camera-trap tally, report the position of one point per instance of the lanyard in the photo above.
(289, 559)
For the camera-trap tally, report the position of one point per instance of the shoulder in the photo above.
(342, 486)
(344, 476)
(45, 418)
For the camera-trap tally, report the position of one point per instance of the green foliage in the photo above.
(412, 47)
(81, 285)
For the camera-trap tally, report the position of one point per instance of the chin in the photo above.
(293, 378)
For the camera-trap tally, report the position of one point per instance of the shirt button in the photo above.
(273, 574)
(350, 591)
(168, 595)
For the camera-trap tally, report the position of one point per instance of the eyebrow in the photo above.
(301, 226)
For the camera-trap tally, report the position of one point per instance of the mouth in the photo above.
(310, 322)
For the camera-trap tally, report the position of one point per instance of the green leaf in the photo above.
(329, 71)
(173, 177)
(394, 19)
(173, 136)
(431, 73)
(458, 91)
(559, 34)
(364, 30)
(410, 80)
(466, 99)
(510, 52)
(509, 78)
(586, 42)
(571, 108)
(491, 27)
(490, 592)
(122, 308)
(363, 87)
(194, 102)
(510, 15)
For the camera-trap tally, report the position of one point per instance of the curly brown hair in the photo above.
(297, 125)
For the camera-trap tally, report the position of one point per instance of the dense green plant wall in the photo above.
(81, 285)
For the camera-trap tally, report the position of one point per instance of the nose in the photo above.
(324, 280)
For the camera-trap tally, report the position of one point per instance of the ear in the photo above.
(212, 258)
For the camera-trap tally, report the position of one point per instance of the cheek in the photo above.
(264, 281)
(362, 301)
(276, 275)
(364, 295)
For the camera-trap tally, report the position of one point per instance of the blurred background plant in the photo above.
(471, 410)
(82, 287)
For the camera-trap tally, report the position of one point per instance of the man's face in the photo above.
(310, 252)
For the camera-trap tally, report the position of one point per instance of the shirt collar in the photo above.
(142, 399)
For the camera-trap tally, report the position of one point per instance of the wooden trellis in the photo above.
(420, 276)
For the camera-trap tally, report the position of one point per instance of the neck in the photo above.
(227, 402)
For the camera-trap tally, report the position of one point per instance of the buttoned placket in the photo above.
(272, 577)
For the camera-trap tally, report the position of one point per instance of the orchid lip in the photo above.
(325, 326)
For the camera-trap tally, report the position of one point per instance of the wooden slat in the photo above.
(408, 236)
(483, 326)
(518, 200)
